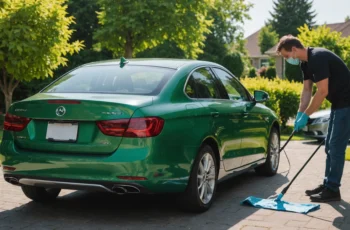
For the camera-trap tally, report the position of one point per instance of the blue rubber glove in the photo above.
(301, 122)
(297, 118)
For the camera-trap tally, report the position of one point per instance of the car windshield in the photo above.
(134, 80)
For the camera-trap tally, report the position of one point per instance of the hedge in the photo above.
(284, 95)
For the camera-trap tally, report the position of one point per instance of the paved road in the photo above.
(82, 210)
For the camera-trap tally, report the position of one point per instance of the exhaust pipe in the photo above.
(119, 190)
(131, 189)
(12, 180)
(123, 189)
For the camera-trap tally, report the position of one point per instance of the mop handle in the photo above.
(290, 137)
(287, 187)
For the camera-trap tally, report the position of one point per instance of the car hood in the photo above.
(321, 113)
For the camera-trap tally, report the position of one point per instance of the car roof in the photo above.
(157, 62)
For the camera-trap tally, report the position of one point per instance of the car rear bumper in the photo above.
(113, 187)
(149, 169)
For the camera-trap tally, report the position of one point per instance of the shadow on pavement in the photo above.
(342, 222)
(88, 210)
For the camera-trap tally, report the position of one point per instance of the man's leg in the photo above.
(338, 141)
(328, 159)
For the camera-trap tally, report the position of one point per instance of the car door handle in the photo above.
(214, 114)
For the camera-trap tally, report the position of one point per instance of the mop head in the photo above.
(280, 205)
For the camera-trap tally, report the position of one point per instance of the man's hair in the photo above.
(287, 42)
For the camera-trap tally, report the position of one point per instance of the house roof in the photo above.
(252, 44)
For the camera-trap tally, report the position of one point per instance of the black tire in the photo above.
(40, 194)
(267, 169)
(190, 200)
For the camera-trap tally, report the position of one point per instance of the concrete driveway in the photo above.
(83, 210)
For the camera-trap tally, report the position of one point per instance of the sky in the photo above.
(260, 13)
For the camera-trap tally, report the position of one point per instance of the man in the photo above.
(332, 78)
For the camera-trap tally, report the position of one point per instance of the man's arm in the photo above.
(305, 95)
(320, 95)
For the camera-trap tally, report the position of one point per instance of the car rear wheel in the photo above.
(40, 194)
(201, 187)
(269, 168)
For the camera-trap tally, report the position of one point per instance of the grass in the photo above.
(285, 133)
(347, 154)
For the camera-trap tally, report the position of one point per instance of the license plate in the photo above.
(62, 131)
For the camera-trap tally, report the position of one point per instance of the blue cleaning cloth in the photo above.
(280, 205)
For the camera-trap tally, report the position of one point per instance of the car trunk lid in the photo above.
(68, 122)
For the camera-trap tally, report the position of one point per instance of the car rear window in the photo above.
(135, 80)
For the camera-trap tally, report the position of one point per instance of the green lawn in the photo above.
(285, 133)
(347, 154)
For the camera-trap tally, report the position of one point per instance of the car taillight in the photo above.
(135, 127)
(15, 123)
(113, 127)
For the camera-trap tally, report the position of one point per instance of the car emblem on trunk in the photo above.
(60, 111)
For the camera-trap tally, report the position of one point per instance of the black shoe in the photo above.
(315, 191)
(326, 195)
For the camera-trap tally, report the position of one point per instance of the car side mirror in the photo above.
(260, 96)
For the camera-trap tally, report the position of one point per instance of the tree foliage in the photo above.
(129, 27)
(86, 23)
(267, 38)
(234, 63)
(289, 15)
(34, 40)
(322, 36)
(165, 50)
(226, 31)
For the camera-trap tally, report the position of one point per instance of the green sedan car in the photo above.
(139, 126)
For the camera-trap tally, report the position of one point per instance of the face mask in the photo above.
(293, 61)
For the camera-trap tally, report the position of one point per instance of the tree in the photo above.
(347, 18)
(289, 15)
(234, 63)
(34, 39)
(165, 50)
(129, 27)
(85, 25)
(267, 38)
(226, 31)
(322, 36)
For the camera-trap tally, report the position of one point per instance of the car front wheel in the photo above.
(201, 188)
(269, 168)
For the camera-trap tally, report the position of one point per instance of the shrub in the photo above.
(234, 63)
(252, 72)
(284, 95)
(271, 72)
(262, 71)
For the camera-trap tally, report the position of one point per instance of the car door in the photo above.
(252, 124)
(224, 116)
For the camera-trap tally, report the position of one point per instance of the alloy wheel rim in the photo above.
(274, 151)
(206, 178)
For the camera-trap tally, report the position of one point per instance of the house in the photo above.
(258, 59)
